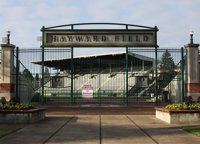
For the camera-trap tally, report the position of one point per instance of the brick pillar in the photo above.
(7, 71)
(193, 77)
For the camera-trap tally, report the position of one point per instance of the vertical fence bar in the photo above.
(17, 74)
(127, 72)
(72, 72)
(182, 75)
(156, 66)
(42, 81)
(72, 76)
(99, 85)
(156, 78)
(126, 68)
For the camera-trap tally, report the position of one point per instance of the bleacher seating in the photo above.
(102, 81)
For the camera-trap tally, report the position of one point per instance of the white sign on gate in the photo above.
(87, 91)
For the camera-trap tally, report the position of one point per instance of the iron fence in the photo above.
(119, 78)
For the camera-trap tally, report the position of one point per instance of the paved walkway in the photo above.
(101, 129)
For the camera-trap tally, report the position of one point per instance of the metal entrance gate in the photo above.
(100, 79)
(147, 75)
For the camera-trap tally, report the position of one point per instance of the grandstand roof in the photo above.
(104, 61)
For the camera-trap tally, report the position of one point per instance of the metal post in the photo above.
(72, 72)
(127, 72)
(156, 66)
(99, 90)
(72, 76)
(42, 82)
(186, 71)
(126, 75)
(182, 75)
(156, 78)
(17, 74)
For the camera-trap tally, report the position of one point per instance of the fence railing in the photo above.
(106, 75)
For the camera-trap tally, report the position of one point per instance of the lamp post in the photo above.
(191, 36)
(8, 37)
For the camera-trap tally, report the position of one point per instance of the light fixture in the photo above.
(191, 36)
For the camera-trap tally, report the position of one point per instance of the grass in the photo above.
(5, 130)
(193, 130)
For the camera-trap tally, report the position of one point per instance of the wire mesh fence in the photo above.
(99, 79)
(168, 77)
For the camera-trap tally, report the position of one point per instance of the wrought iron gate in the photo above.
(100, 79)
(137, 75)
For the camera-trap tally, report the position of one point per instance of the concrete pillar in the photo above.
(7, 71)
(193, 77)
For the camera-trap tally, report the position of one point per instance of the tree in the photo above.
(46, 75)
(167, 69)
(27, 74)
(37, 78)
(167, 63)
(37, 81)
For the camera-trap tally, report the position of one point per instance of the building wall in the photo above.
(0, 70)
(199, 71)
(25, 88)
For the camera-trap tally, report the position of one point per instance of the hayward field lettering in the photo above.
(92, 38)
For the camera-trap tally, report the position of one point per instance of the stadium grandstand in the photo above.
(99, 77)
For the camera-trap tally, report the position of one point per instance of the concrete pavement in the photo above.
(100, 129)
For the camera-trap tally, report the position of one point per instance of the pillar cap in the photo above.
(191, 45)
(7, 45)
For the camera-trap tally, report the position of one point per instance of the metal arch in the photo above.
(98, 23)
(71, 26)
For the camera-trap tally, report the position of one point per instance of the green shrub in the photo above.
(183, 106)
(15, 107)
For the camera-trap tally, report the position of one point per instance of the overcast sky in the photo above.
(174, 18)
